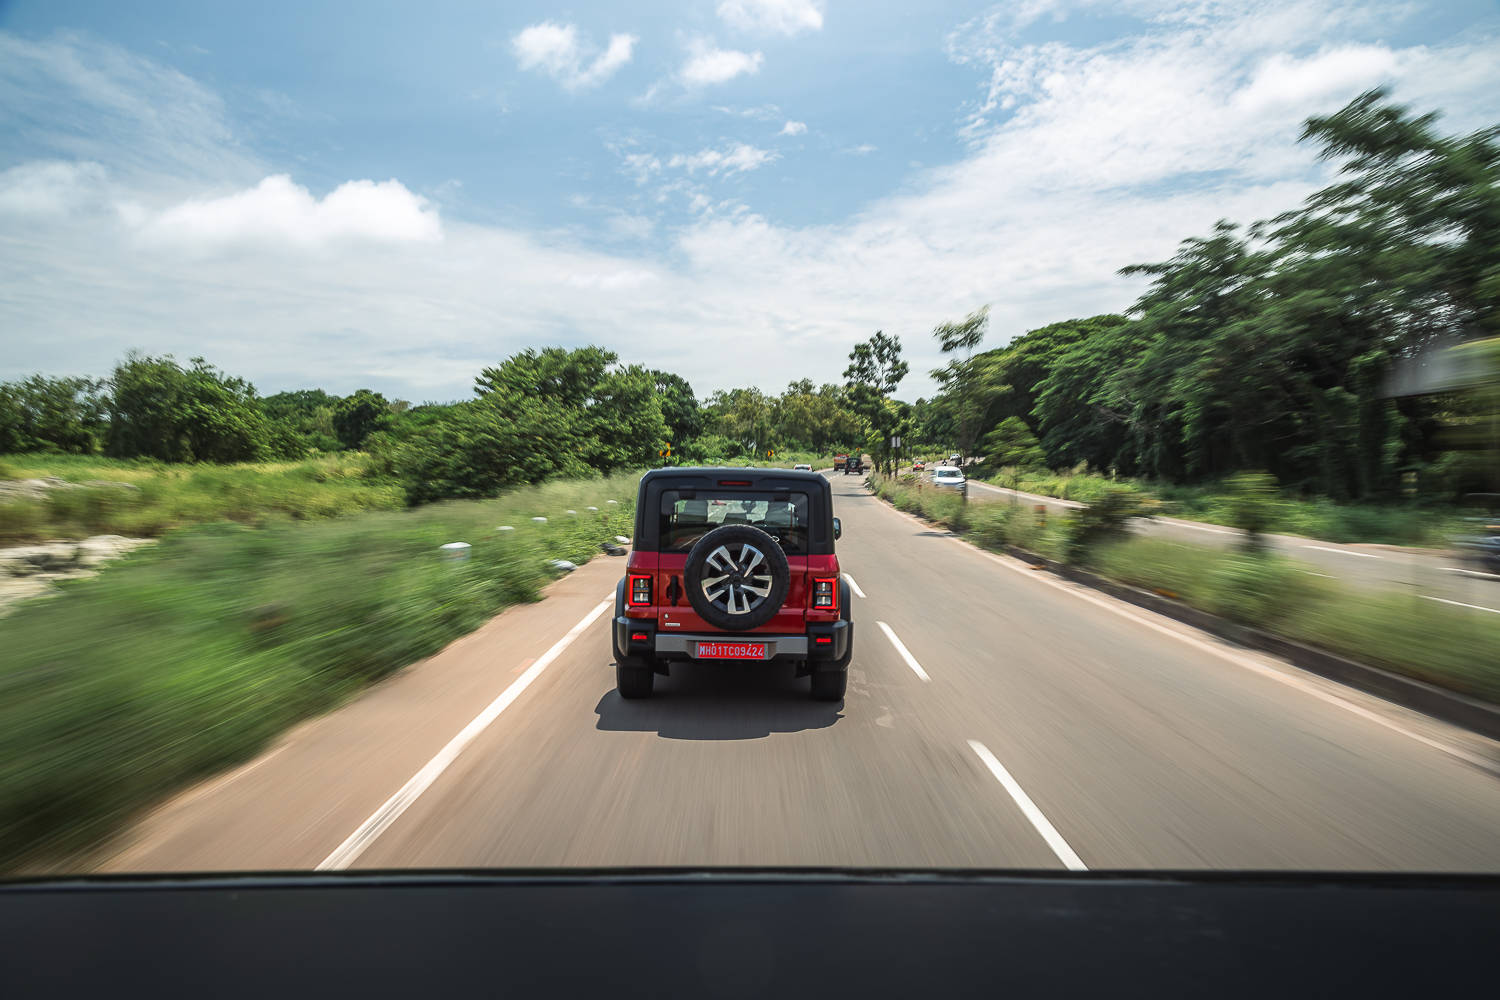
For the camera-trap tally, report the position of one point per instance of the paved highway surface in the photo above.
(996, 717)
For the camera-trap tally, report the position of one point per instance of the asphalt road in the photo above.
(1429, 573)
(996, 717)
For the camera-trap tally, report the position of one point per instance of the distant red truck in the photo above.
(839, 461)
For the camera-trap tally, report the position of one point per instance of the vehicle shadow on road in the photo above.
(720, 702)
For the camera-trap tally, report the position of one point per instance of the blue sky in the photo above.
(394, 195)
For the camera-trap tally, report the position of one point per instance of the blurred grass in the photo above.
(1388, 524)
(1451, 647)
(191, 655)
(170, 496)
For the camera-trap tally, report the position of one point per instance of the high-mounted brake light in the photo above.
(734, 482)
(640, 591)
(825, 593)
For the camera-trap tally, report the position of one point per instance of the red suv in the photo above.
(733, 564)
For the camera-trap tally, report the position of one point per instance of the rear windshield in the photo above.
(947, 474)
(688, 515)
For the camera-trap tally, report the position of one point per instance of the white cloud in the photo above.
(785, 17)
(640, 166)
(1283, 81)
(279, 213)
(762, 112)
(709, 64)
(554, 49)
(793, 128)
(53, 188)
(733, 159)
(863, 149)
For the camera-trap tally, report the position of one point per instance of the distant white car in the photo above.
(948, 477)
(804, 467)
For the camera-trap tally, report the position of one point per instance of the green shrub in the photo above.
(1255, 588)
(1252, 504)
(990, 523)
(1105, 518)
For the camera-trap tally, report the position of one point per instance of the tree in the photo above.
(537, 414)
(358, 416)
(684, 418)
(745, 417)
(159, 409)
(876, 364)
(1013, 443)
(299, 423)
(966, 392)
(478, 448)
(51, 414)
(875, 370)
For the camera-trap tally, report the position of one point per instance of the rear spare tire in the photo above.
(736, 577)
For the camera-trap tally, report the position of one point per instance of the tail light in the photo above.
(825, 593)
(640, 591)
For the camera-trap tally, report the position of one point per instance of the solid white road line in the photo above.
(1343, 552)
(350, 850)
(911, 661)
(1460, 604)
(1065, 854)
(1290, 680)
(853, 586)
(1472, 572)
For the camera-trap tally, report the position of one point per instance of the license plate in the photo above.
(732, 650)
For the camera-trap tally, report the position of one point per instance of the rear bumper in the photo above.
(828, 641)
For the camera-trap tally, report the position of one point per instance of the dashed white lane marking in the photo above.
(853, 586)
(1065, 854)
(1343, 552)
(1460, 604)
(349, 851)
(911, 661)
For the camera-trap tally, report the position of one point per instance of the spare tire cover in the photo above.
(736, 577)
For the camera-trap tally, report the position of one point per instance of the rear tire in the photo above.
(634, 682)
(829, 685)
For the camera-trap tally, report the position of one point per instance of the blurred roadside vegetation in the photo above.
(1452, 647)
(191, 655)
(1427, 522)
(146, 498)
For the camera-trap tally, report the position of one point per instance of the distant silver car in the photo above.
(803, 467)
(948, 477)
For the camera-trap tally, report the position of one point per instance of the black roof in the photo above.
(732, 472)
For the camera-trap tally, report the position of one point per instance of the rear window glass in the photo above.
(947, 474)
(685, 519)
